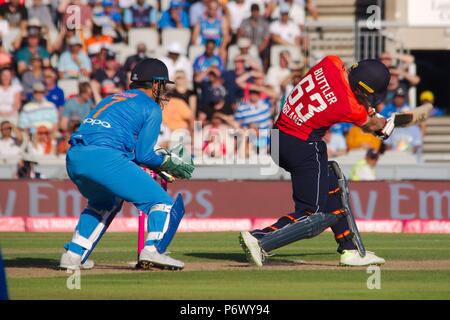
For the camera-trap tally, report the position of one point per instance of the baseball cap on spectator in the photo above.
(34, 23)
(110, 55)
(400, 92)
(176, 48)
(427, 96)
(38, 87)
(108, 3)
(295, 66)
(284, 8)
(244, 43)
(74, 41)
(372, 154)
(176, 4)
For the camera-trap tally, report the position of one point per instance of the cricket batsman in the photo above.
(116, 138)
(326, 95)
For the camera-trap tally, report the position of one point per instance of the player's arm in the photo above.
(379, 126)
(145, 146)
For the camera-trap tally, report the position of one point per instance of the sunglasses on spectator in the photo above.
(6, 128)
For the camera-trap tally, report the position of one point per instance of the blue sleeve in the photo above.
(128, 17)
(185, 19)
(153, 17)
(165, 22)
(145, 153)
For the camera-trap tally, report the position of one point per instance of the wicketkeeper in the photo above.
(326, 95)
(104, 160)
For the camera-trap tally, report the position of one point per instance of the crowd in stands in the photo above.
(231, 83)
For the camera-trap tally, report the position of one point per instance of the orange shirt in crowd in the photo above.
(358, 139)
(177, 114)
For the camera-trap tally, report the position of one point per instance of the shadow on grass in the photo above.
(32, 262)
(240, 257)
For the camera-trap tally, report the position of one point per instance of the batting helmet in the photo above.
(369, 80)
(148, 71)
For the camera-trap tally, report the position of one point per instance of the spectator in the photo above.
(141, 54)
(285, 31)
(31, 49)
(398, 104)
(215, 135)
(204, 62)
(54, 93)
(61, 43)
(98, 40)
(234, 92)
(428, 97)
(212, 26)
(98, 61)
(276, 74)
(10, 97)
(213, 94)
(181, 91)
(43, 143)
(244, 45)
(364, 170)
(108, 16)
(296, 12)
(256, 28)
(26, 168)
(140, 15)
(40, 11)
(5, 57)
(35, 74)
(335, 141)
(4, 26)
(255, 80)
(176, 60)
(39, 111)
(15, 13)
(177, 115)
(238, 11)
(406, 140)
(63, 143)
(358, 139)
(175, 16)
(74, 63)
(79, 106)
(255, 110)
(197, 10)
(111, 80)
(9, 144)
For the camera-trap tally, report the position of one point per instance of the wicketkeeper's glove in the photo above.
(387, 130)
(174, 163)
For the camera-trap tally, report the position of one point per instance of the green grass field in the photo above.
(418, 267)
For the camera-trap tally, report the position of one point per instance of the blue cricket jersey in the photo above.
(129, 122)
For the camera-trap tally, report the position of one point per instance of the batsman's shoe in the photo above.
(352, 258)
(254, 253)
(149, 259)
(72, 261)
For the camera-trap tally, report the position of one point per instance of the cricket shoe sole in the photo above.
(352, 258)
(152, 259)
(252, 249)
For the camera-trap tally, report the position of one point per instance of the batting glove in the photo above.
(387, 130)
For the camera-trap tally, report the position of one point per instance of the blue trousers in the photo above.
(106, 177)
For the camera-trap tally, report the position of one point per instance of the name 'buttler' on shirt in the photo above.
(317, 88)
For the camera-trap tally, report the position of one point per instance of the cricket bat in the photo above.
(413, 117)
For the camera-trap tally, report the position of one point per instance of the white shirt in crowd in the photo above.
(296, 13)
(276, 75)
(238, 12)
(182, 64)
(9, 147)
(7, 97)
(288, 32)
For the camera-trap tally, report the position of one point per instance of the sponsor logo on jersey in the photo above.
(96, 122)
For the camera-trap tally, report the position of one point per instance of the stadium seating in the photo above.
(180, 35)
(145, 35)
